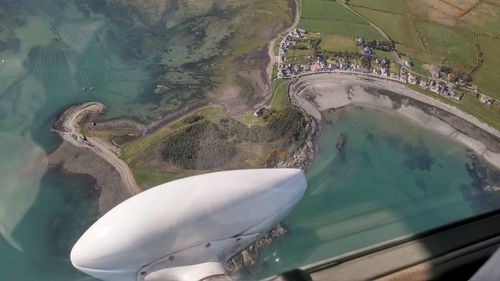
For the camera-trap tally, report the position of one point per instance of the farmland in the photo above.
(461, 35)
(329, 17)
(437, 33)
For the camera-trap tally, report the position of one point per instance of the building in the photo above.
(360, 41)
(315, 67)
(436, 87)
(259, 111)
(412, 79)
(423, 83)
(393, 75)
(435, 71)
(301, 32)
(486, 100)
(368, 51)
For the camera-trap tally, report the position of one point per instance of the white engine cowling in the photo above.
(187, 229)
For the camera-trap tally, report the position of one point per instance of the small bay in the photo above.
(392, 178)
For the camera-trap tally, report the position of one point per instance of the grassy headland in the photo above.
(210, 139)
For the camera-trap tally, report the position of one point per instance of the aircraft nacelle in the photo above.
(189, 228)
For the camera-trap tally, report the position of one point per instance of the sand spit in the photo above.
(318, 92)
(68, 128)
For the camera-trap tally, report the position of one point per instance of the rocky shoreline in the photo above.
(248, 257)
(304, 156)
(301, 159)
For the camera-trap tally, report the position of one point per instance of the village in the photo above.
(442, 81)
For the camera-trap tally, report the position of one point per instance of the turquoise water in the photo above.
(392, 179)
(55, 53)
(64, 207)
(52, 51)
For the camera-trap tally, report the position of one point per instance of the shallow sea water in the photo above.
(61, 51)
(392, 179)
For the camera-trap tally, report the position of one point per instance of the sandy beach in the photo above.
(319, 92)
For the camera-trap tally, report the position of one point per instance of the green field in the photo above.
(296, 56)
(457, 46)
(432, 38)
(429, 32)
(147, 179)
(329, 17)
(336, 43)
(398, 26)
(331, 10)
(488, 76)
(279, 96)
(427, 41)
(484, 19)
(393, 6)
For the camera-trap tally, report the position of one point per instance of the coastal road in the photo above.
(270, 46)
